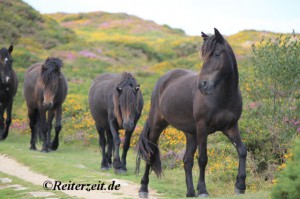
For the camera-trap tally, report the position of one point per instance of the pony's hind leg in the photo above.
(33, 114)
(110, 147)
(102, 143)
(149, 137)
(234, 136)
(188, 159)
(55, 142)
(8, 120)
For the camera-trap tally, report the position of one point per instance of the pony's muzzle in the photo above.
(128, 126)
(47, 105)
(205, 87)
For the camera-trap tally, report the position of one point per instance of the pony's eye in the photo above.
(217, 53)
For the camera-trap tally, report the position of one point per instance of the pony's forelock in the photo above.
(51, 69)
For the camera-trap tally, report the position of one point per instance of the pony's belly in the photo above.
(179, 118)
(185, 127)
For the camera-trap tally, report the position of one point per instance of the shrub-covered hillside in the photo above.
(22, 24)
(98, 42)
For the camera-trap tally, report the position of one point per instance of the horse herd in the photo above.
(196, 104)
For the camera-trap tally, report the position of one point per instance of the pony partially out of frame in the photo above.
(45, 90)
(116, 102)
(8, 89)
(198, 105)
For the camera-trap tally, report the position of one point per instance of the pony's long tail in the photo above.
(148, 151)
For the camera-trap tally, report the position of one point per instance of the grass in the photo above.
(66, 164)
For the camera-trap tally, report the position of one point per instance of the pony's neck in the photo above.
(228, 90)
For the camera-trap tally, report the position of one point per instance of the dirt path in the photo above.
(12, 167)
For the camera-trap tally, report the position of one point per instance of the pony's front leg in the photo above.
(32, 115)
(116, 141)
(234, 136)
(1, 121)
(202, 160)
(188, 159)
(8, 120)
(43, 129)
(55, 142)
(49, 127)
(126, 146)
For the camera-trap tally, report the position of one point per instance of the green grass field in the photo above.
(80, 164)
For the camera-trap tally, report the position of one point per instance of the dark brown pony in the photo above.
(198, 105)
(45, 90)
(116, 102)
(8, 89)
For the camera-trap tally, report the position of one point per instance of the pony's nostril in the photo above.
(47, 105)
(204, 84)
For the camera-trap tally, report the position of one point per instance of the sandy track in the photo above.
(12, 167)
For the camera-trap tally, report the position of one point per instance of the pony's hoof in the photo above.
(143, 194)
(45, 150)
(104, 168)
(32, 148)
(54, 146)
(120, 171)
(238, 191)
(203, 195)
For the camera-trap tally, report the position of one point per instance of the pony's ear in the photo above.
(10, 49)
(43, 67)
(204, 36)
(57, 69)
(119, 90)
(136, 88)
(218, 36)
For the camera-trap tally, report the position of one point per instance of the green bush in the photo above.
(272, 117)
(288, 186)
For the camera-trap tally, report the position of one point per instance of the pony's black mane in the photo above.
(51, 69)
(127, 98)
(127, 79)
(208, 47)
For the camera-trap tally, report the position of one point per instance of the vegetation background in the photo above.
(92, 43)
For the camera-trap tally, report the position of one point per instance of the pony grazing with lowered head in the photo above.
(45, 90)
(198, 105)
(116, 102)
(8, 89)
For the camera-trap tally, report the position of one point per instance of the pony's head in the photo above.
(127, 98)
(50, 74)
(219, 62)
(6, 64)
